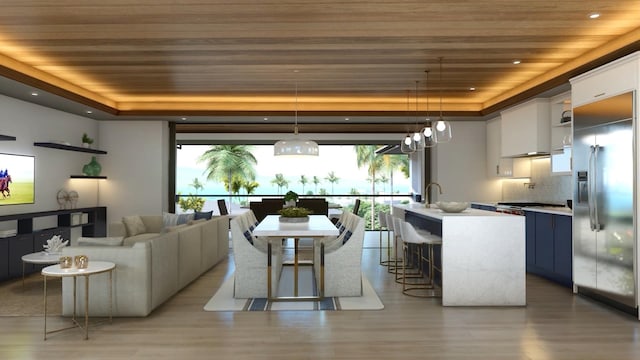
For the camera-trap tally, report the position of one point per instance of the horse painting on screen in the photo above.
(5, 180)
(17, 179)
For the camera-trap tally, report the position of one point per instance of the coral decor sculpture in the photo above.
(55, 245)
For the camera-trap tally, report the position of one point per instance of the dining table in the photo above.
(315, 227)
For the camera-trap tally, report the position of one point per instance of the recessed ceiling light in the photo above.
(183, 118)
(594, 15)
(89, 112)
(34, 94)
(516, 62)
(472, 89)
(266, 119)
(346, 119)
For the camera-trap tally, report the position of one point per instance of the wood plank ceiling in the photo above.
(235, 57)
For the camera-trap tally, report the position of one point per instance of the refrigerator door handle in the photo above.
(590, 188)
(596, 217)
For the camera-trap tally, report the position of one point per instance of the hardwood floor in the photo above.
(554, 325)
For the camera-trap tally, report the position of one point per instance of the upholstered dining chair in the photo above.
(250, 277)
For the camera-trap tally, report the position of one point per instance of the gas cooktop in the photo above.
(528, 204)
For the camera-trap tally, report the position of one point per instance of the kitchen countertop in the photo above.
(435, 213)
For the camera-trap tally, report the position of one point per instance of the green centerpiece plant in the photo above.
(294, 214)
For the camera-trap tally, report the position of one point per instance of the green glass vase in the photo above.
(93, 168)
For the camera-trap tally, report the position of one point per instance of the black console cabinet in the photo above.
(27, 240)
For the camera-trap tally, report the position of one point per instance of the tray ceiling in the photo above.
(246, 57)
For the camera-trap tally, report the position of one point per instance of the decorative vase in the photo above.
(86, 145)
(82, 261)
(66, 262)
(289, 203)
(93, 168)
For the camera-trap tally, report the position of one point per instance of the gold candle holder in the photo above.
(82, 261)
(66, 262)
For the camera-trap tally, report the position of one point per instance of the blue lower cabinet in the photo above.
(562, 264)
(549, 250)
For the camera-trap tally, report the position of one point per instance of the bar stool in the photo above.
(401, 277)
(382, 220)
(393, 262)
(420, 238)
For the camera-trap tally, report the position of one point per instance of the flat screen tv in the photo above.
(17, 179)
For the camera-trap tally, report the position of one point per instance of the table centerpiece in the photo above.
(294, 214)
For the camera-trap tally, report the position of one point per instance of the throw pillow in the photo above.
(169, 219)
(100, 241)
(203, 215)
(184, 218)
(134, 225)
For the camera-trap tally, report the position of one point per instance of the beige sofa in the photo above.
(150, 267)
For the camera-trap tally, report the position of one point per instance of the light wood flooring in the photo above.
(554, 325)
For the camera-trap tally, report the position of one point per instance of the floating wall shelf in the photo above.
(68, 147)
(7, 138)
(86, 177)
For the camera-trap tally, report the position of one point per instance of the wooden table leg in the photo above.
(295, 267)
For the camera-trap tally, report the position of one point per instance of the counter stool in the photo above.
(404, 263)
(382, 219)
(420, 238)
(393, 261)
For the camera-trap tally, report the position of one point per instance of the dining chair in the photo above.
(222, 207)
(356, 207)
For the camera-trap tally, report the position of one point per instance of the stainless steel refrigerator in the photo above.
(604, 160)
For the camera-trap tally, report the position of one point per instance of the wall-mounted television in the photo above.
(17, 179)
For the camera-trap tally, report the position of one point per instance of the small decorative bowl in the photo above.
(66, 262)
(452, 207)
(82, 261)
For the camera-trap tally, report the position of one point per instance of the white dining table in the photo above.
(318, 227)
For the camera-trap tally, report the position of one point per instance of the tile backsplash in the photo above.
(541, 187)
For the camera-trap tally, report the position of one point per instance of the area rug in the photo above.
(223, 299)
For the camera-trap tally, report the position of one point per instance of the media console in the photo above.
(28, 240)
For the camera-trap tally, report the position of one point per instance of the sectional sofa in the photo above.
(151, 265)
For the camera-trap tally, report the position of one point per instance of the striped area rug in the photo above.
(223, 299)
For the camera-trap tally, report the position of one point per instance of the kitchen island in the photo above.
(483, 254)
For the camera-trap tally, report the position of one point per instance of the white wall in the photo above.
(136, 166)
(31, 123)
(459, 166)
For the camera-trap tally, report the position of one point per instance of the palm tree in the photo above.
(316, 181)
(332, 178)
(303, 180)
(197, 185)
(384, 180)
(366, 156)
(395, 162)
(226, 161)
(250, 187)
(280, 182)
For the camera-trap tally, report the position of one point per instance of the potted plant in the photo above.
(294, 214)
(86, 140)
(290, 199)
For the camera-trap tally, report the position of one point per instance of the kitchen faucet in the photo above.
(426, 190)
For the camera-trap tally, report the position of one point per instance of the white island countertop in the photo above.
(483, 254)
(435, 213)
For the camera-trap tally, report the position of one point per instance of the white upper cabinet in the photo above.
(498, 166)
(526, 129)
(615, 78)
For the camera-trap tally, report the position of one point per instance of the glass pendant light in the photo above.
(296, 145)
(407, 145)
(442, 128)
(428, 137)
